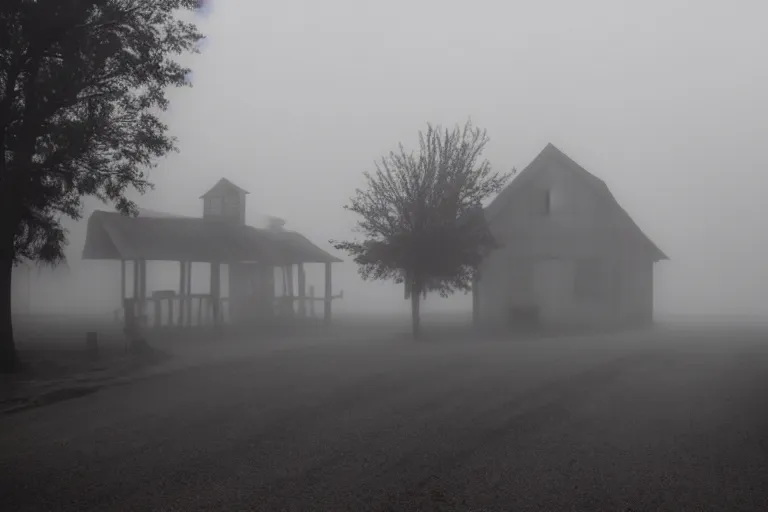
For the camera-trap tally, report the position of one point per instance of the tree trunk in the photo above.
(8, 358)
(415, 314)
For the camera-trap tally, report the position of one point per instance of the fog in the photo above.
(663, 100)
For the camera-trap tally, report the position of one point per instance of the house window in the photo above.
(588, 279)
(542, 201)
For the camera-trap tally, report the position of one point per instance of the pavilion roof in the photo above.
(113, 236)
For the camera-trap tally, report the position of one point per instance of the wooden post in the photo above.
(170, 312)
(235, 291)
(289, 302)
(219, 318)
(122, 291)
(328, 294)
(136, 291)
(312, 302)
(302, 285)
(215, 290)
(188, 291)
(267, 291)
(122, 282)
(135, 266)
(129, 315)
(158, 303)
(143, 291)
(182, 291)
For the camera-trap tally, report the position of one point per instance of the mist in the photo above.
(664, 101)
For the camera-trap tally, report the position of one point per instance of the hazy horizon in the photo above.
(666, 102)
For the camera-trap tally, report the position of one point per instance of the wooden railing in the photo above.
(174, 311)
(164, 309)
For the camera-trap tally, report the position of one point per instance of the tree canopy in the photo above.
(421, 216)
(82, 85)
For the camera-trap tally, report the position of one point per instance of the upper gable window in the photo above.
(542, 201)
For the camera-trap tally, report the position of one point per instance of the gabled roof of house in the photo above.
(552, 154)
(222, 187)
(112, 236)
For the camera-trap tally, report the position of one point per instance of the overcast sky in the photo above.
(667, 101)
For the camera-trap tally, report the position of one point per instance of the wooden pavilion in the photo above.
(257, 259)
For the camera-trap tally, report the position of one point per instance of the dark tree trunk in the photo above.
(415, 311)
(7, 346)
(8, 360)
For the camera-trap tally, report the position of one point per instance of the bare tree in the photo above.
(421, 215)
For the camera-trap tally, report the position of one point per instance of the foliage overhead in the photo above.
(421, 216)
(82, 83)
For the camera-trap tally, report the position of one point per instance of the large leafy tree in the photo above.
(82, 83)
(421, 216)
